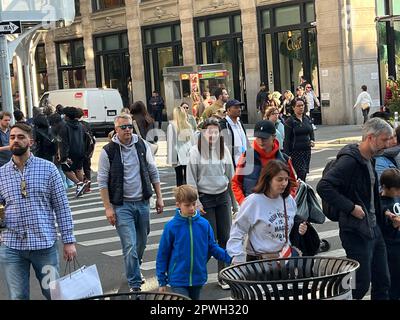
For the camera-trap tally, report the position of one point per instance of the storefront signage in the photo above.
(212, 75)
(185, 76)
(292, 44)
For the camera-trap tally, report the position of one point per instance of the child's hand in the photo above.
(303, 228)
(162, 289)
(396, 222)
(389, 214)
(199, 207)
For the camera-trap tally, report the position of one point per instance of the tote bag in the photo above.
(82, 283)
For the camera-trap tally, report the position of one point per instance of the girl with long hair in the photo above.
(266, 217)
(210, 169)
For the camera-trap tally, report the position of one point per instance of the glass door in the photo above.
(290, 59)
(222, 52)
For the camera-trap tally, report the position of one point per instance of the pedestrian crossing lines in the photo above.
(94, 233)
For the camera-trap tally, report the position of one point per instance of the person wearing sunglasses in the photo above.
(126, 174)
(34, 198)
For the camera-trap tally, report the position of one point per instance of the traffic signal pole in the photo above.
(5, 77)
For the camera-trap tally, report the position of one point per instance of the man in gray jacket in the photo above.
(125, 175)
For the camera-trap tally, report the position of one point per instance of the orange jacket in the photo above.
(237, 180)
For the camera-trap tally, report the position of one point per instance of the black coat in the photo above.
(348, 183)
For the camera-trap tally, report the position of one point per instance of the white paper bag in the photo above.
(82, 283)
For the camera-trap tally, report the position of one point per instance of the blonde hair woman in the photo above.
(179, 141)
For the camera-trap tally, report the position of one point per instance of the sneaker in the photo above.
(143, 278)
(80, 188)
(133, 290)
(223, 285)
(87, 188)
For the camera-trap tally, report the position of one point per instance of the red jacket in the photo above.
(237, 180)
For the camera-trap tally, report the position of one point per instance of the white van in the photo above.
(100, 106)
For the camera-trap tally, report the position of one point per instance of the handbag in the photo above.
(364, 106)
(308, 207)
(153, 146)
(82, 283)
(309, 243)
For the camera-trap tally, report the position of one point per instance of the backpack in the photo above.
(49, 142)
(332, 213)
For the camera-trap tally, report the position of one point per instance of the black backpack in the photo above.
(332, 213)
(49, 142)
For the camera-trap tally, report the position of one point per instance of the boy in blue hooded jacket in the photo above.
(186, 245)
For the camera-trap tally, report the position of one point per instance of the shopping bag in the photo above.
(301, 201)
(82, 283)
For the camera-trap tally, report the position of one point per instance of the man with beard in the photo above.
(33, 195)
(351, 186)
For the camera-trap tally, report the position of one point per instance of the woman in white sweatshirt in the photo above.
(364, 101)
(210, 169)
(266, 216)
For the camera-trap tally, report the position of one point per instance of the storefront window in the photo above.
(163, 35)
(113, 68)
(41, 69)
(163, 48)
(310, 12)
(396, 7)
(289, 45)
(396, 27)
(219, 40)
(71, 64)
(381, 7)
(290, 58)
(107, 4)
(77, 8)
(219, 26)
(266, 22)
(287, 16)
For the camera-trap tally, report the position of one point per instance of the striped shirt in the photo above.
(30, 218)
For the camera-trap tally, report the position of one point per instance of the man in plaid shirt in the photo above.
(34, 198)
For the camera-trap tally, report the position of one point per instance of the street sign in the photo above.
(10, 27)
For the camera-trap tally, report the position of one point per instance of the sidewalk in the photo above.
(325, 136)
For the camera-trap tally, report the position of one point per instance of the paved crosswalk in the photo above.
(93, 231)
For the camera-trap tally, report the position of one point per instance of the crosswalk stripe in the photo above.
(110, 239)
(117, 253)
(103, 217)
(101, 209)
(338, 253)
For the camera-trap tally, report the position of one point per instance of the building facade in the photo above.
(125, 44)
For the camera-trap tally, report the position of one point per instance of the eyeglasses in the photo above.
(24, 193)
(126, 126)
(187, 108)
(308, 87)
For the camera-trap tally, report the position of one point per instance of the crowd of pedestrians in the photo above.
(235, 199)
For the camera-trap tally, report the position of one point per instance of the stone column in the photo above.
(251, 56)
(347, 56)
(135, 50)
(51, 61)
(87, 32)
(187, 31)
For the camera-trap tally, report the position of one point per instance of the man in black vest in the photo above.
(125, 175)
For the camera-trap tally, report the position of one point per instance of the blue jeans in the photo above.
(191, 292)
(133, 226)
(16, 267)
(372, 256)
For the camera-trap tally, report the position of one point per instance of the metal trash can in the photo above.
(140, 295)
(298, 278)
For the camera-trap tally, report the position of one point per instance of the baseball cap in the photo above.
(233, 102)
(264, 129)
